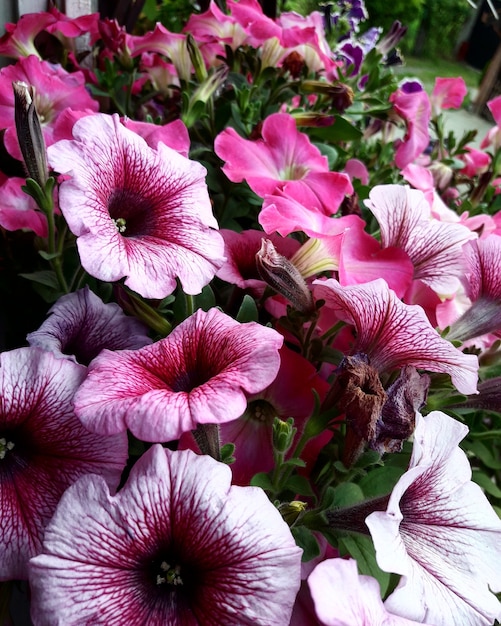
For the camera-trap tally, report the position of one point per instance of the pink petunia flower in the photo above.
(138, 213)
(177, 545)
(43, 449)
(440, 534)
(434, 247)
(393, 334)
(483, 289)
(285, 160)
(54, 91)
(448, 93)
(342, 597)
(80, 325)
(493, 136)
(201, 373)
(415, 109)
(18, 210)
(19, 38)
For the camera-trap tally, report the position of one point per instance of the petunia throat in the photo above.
(5, 446)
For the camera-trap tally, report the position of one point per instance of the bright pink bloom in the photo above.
(177, 545)
(476, 161)
(43, 449)
(356, 169)
(393, 334)
(415, 109)
(440, 533)
(55, 90)
(137, 212)
(302, 211)
(249, 14)
(493, 137)
(80, 325)
(18, 210)
(344, 598)
(171, 45)
(362, 259)
(435, 248)
(448, 93)
(282, 160)
(19, 38)
(203, 372)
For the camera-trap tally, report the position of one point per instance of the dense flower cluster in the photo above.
(251, 363)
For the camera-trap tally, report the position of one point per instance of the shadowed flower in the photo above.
(201, 373)
(138, 213)
(80, 325)
(177, 545)
(43, 449)
(440, 533)
(393, 334)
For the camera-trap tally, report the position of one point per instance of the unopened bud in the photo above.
(284, 277)
(196, 58)
(29, 133)
(290, 511)
(283, 434)
(294, 64)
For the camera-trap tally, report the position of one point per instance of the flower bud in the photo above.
(29, 133)
(284, 277)
(196, 58)
(291, 511)
(283, 434)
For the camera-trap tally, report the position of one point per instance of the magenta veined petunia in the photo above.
(202, 373)
(177, 545)
(139, 213)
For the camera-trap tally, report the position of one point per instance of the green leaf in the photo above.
(262, 480)
(341, 130)
(486, 483)
(299, 485)
(347, 494)
(49, 256)
(248, 310)
(43, 277)
(362, 550)
(380, 481)
(483, 453)
(307, 541)
(205, 300)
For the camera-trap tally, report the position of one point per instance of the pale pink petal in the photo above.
(440, 533)
(434, 247)
(344, 598)
(109, 560)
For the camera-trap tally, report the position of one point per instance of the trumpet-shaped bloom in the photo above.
(43, 449)
(415, 109)
(80, 325)
(448, 93)
(440, 533)
(18, 210)
(138, 213)
(177, 545)
(202, 372)
(283, 159)
(343, 598)
(393, 334)
(434, 247)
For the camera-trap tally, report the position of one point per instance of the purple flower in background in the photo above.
(138, 213)
(440, 533)
(201, 373)
(43, 449)
(177, 545)
(80, 325)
